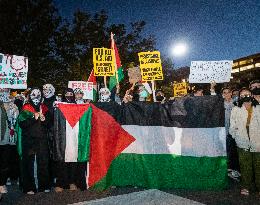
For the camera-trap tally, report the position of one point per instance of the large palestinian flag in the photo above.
(177, 145)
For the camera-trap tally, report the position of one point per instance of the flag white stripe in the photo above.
(71, 151)
(197, 142)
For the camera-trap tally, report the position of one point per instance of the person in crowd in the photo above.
(254, 84)
(235, 96)
(70, 175)
(49, 99)
(159, 96)
(33, 144)
(79, 96)
(198, 91)
(245, 129)
(104, 95)
(128, 97)
(256, 95)
(142, 92)
(19, 101)
(233, 164)
(9, 163)
(59, 97)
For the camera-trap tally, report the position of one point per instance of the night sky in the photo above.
(212, 29)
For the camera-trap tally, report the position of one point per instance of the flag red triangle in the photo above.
(72, 112)
(92, 78)
(108, 140)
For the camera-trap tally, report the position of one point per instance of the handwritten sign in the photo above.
(13, 71)
(134, 75)
(208, 71)
(151, 66)
(86, 87)
(104, 62)
(180, 89)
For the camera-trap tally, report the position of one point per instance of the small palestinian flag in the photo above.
(86, 133)
(26, 113)
(119, 69)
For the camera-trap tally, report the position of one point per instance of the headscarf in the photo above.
(68, 99)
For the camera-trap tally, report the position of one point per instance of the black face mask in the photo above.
(159, 98)
(245, 99)
(69, 99)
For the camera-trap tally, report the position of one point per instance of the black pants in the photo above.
(232, 154)
(71, 173)
(4, 163)
(14, 168)
(42, 159)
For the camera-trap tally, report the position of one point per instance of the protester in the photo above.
(13, 158)
(79, 96)
(34, 150)
(143, 93)
(245, 129)
(254, 84)
(235, 96)
(233, 164)
(159, 96)
(49, 99)
(104, 95)
(9, 161)
(70, 174)
(198, 91)
(256, 95)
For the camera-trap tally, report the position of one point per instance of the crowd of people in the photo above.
(31, 115)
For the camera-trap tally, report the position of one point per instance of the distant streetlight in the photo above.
(179, 49)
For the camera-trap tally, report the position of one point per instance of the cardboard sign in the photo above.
(134, 75)
(86, 87)
(104, 62)
(208, 71)
(151, 66)
(180, 89)
(13, 71)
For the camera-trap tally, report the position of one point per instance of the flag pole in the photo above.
(114, 55)
(105, 81)
(153, 89)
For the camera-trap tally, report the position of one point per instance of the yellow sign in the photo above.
(180, 89)
(104, 62)
(150, 65)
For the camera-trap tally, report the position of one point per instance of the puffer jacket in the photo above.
(238, 120)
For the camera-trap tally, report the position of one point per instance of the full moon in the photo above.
(179, 49)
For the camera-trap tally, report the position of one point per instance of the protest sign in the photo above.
(209, 71)
(151, 66)
(13, 71)
(104, 62)
(134, 75)
(180, 89)
(86, 87)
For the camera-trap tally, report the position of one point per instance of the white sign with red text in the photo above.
(86, 87)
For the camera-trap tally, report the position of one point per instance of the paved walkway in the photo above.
(148, 197)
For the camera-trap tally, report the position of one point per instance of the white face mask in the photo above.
(48, 90)
(104, 95)
(35, 96)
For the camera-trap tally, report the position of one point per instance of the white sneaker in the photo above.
(30, 192)
(47, 190)
(235, 173)
(8, 183)
(3, 189)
